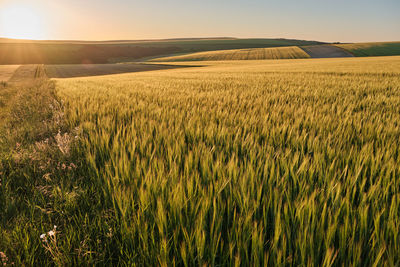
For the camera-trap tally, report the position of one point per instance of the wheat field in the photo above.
(289, 52)
(239, 163)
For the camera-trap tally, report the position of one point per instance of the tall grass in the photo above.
(290, 52)
(253, 163)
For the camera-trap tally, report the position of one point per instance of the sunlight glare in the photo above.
(21, 21)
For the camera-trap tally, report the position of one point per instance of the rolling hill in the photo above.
(291, 52)
(14, 51)
(77, 52)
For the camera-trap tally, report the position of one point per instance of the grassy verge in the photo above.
(43, 184)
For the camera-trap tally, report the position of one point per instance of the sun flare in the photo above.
(21, 21)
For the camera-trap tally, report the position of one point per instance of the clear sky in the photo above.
(324, 20)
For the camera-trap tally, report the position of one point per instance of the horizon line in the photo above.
(183, 39)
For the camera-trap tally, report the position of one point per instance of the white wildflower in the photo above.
(63, 142)
(42, 236)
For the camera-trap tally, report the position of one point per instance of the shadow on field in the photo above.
(82, 70)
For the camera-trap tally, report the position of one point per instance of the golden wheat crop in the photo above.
(253, 163)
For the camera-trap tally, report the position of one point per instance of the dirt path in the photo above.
(325, 51)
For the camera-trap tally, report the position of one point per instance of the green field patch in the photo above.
(372, 49)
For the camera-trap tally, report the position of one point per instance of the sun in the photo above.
(19, 20)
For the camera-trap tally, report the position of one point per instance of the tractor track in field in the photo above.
(26, 73)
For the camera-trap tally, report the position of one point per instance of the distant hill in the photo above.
(313, 51)
(14, 51)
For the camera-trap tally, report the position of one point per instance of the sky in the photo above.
(322, 20)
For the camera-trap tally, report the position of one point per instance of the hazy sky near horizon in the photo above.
(324, 20)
